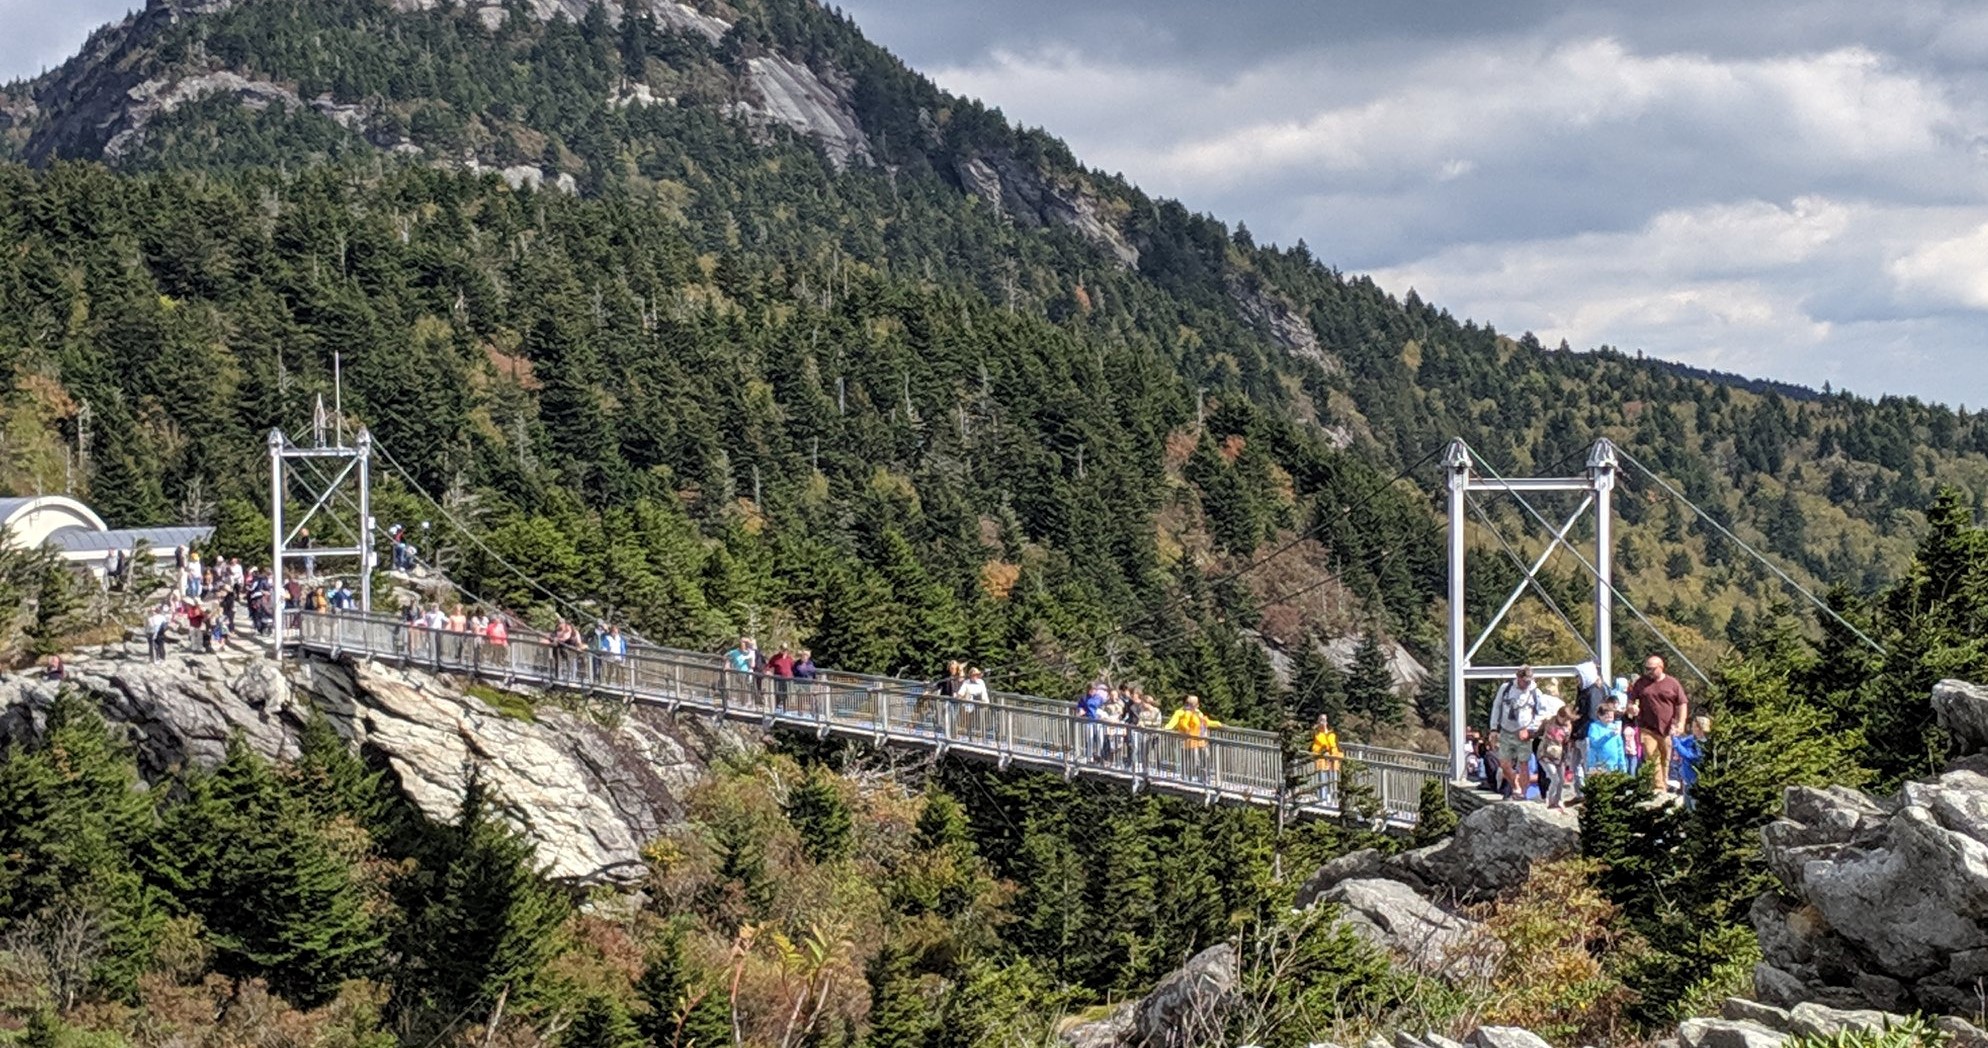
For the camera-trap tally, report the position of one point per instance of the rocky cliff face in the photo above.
(99, 104)
(591, 788)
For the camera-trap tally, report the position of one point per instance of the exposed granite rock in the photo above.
(1506, 1037)
(1414, 930)
(1493, 848)
(1727, 1033)
(1032, 200)
(1186, 1006)
(591, 793)
(1890, 898)
(1962, 709)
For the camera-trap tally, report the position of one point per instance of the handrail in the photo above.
(1234, 764)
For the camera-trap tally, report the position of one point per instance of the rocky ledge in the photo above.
(591, 786)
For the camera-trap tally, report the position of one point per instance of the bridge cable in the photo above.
(557, 600)
(1596, 574)
(1757, 555)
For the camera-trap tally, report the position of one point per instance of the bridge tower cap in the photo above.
(1602, 455)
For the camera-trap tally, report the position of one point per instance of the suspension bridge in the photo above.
(1227, 765)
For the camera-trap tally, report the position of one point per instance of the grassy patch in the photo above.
(508, 703)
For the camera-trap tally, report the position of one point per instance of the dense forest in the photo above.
(949, 395)
(730, 384)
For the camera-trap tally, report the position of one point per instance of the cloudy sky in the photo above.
(1799, 191)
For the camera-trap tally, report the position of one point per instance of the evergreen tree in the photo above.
(278, 899)
(819, 813)
(481, 918)
(1370, 685)
(664, 990)
(75, 828)
(602, 1023)
(899, 1015)
(332, 780)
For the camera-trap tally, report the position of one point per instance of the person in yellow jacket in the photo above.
(1194, 724)
(1325, 756)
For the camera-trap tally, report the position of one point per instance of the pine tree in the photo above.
(480, 917)
(278, 899)
(602, 1023)
(819, 813)
(1370, 683)
(332, 780)
(75, 829)
(899, 1015)
(664, 990)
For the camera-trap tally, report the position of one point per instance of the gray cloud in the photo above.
(40, 34)
(1792, 190)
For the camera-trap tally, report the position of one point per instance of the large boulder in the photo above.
(591, 791)
(1494, 847)
(1414, 930)
(1186, 1007)
(1962, 709)
(1883, 904)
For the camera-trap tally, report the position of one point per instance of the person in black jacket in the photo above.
(1587, 706)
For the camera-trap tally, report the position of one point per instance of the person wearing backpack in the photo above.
(1515, 717)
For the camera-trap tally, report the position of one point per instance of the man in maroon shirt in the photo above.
(1662, 713)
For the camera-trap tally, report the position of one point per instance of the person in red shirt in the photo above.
(781, 667)
(1661, 714)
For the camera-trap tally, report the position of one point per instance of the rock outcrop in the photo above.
(1883, 903)
(1032, 200)
(591, 788)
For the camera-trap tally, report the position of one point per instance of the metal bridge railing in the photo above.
(1231, 764)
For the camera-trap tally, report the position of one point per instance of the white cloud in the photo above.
(1814, 215)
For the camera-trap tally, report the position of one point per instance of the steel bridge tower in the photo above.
(1463, 480)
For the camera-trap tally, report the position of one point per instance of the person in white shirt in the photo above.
(973, 700)
(1516, 714)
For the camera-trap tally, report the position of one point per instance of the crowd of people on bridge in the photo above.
(1538, 744)
(1118, 726)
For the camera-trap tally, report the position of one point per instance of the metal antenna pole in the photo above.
(1456, 462)
(1601, 468)
(338, 397)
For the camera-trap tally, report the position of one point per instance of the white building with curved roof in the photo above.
(80, 537)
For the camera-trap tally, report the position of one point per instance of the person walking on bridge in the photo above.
(1661, 715)
(1326, 757)
(1515, 716)
(1194, 726)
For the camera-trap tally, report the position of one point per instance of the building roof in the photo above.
(82, 540)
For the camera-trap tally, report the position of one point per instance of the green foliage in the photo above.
(75, 828)
(1370, 685)
(899, 1014)
(1300, 975)
(279, 899)
(1434, 818)
(480, 919)
(1911, 1032)
(602, 1023)
(818, 811)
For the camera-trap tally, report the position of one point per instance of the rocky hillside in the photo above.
(591, 786)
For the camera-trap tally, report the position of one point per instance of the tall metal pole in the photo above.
(364, 444)
(276, 535)
(1457, 462)
(1601, 469)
